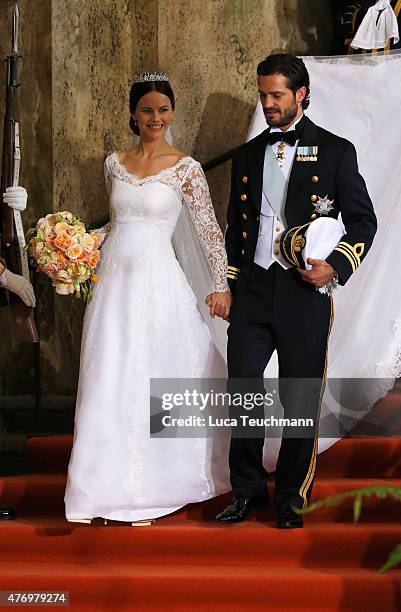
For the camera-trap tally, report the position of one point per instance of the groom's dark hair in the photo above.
(290, 66)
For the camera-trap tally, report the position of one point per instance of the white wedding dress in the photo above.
(143, 322)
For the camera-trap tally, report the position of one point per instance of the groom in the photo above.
(292, 173)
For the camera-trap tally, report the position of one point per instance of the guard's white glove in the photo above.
(19, 285)
(16, 197)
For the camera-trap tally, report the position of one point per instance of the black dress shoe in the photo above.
(7, 514)
(240, 508)
(288, 519)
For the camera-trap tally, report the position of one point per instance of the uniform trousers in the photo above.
(275, 309)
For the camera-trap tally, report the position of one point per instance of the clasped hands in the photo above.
(219, 304)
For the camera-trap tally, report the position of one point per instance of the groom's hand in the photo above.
(320, 275)
(219, 304)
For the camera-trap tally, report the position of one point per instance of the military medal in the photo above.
(307, 154)
(324, 205)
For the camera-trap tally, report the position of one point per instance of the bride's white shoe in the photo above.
(143, 523)
(88, 521)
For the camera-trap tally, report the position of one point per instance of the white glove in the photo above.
(16, 197)
(19, 285)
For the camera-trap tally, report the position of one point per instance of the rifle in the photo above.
(23, 328)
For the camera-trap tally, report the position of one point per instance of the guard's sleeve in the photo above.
(233, 230)
(357, 215)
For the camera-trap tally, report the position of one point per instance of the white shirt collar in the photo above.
(277, 129)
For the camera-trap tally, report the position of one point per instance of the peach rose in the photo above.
(83, 256)
(73, 251)
(36, 247)
(41, 224)
(52, 267)
(93, 259)
(97, 238)
(62, 241)
(88, 243)
(66, 215)
(51, 219)
(63, 288)
(61, 227)
(63, 276)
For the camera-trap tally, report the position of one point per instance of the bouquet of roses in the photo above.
(66, 252)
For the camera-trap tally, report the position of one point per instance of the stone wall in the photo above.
(78, 58)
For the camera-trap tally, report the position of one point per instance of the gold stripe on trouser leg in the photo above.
(312, 466)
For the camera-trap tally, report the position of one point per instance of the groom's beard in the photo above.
(285, 118)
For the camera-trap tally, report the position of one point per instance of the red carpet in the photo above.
(186, 562)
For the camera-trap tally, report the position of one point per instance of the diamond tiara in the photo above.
(145, 77)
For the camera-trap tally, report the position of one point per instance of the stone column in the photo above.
(78, 60)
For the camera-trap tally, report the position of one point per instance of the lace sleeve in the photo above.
(107, 177)
(196, 196)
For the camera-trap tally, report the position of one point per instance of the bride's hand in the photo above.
(219, 304)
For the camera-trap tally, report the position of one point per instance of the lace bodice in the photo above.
(150, 201)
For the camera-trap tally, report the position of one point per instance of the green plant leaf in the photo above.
(393, 560)
(381, 491)
(357, 508)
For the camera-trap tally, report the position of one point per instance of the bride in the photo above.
(143, 322)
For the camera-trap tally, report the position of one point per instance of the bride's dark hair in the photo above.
(138, 90)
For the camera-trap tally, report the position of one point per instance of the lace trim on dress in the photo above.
(187, 178)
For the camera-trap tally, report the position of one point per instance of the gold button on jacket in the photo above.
(244, 179)
(244, 197)
(244, 234)
(314, 198)
(315, 179)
